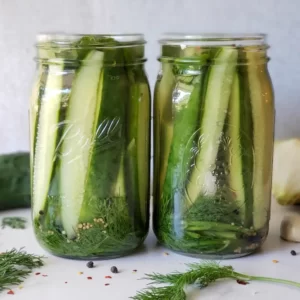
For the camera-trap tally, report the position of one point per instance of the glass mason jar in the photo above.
(214, 132)
(90, 131)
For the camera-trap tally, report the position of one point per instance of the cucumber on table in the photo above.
(218, 87)
(15, 180)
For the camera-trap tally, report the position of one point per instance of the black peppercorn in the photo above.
(293, 252)
(114, 269)
(90, 264)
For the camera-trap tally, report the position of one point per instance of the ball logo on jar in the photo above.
(107, 134)
(212, 159)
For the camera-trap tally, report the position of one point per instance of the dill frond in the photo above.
(14, 222)
(15, 266)
(198, 274)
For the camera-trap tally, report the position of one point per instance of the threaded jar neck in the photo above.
(119, 49)
(189, 47)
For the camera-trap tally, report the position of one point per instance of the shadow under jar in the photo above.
(214, 133)
(90, 130)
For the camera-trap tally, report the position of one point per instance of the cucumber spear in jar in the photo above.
(83, 200)
(207, 203)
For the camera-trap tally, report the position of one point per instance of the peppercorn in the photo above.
(293, 252)
(90, 264)
(114, 269)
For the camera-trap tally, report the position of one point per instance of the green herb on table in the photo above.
(14, 222)
(15, 266)
(198, 274)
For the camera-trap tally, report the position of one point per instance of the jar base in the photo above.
(213, 256)
(97, 257)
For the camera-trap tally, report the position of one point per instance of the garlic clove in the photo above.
(290, 228)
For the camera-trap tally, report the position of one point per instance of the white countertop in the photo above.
(152, 259)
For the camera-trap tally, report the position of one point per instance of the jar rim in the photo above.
(209, 39)
(63, 38)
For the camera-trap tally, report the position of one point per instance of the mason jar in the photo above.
(213, 132)
(90, 129)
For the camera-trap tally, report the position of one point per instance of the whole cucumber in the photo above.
(14, 180)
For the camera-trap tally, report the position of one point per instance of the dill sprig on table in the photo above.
(15, 266)
(198, 274)
(14, 222)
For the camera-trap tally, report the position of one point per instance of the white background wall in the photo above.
(21, 20)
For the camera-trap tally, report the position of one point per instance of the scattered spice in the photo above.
(242, 282)
(38, 273)
(293, 252)
(10, 292)
(108, 277)
(134, 271)
(90, 264)
(238, 250)
(166, 253)
(20, 287)
(44, 275)
(275, 261)
(80, 273)
(114, 269)
(66, 282)
(106, 284)
(89, 278)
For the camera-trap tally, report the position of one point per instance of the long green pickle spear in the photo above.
(216, 101)
(187, 102)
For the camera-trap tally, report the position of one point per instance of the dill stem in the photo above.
(265, 279)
